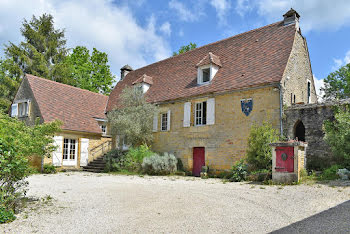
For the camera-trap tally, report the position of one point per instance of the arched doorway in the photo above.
(299, 131)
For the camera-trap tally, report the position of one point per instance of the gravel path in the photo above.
(103, 203)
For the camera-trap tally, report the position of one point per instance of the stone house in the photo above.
(210, 97)
(84, 131)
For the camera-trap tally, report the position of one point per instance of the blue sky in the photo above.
(140, 32)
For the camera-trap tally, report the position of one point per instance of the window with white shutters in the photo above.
(164, 123)
(69, 149)
(201, 113)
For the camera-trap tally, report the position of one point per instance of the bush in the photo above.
(337, 135)
(159, 165)
(115, 160)
(49, 169)
(14, 168)
(239, 171)
(259, 151)
(330, 173)
(6, 215)
(260, 175)
(135, 157)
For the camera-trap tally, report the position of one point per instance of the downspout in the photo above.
(281, 109)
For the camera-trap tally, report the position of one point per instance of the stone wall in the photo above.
(297, 74)
(225, 142)
(312, 116)
(25, 93)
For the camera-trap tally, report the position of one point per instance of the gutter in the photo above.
(281, 109)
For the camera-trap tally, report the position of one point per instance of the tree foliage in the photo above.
(185, 48)
(337, 84)
(337, 135)
(90, 72)
(134, 118)
(17, 143)
(8, 87)
(259, 151)
(43, 51)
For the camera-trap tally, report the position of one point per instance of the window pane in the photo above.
(206, 75)
(164, 121)
(72, 149)
(204, 113)
(65, 149)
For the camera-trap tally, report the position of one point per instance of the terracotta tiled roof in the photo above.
(144, 79)
(249, 59)
(208, 59)
(75, 107)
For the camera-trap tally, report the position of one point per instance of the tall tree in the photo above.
(8, 86)
(337, 84)
(42, 52)
(185, 48)
(134, 118)
(90, 72)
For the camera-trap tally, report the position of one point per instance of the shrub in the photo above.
(6, 215)
(14, 168)
(49, 169)
(259, 151)
(260, 175)
(159, 165)
(135, 157)
(239, 171)
(337, 135)
(330, 173)
(115, 160)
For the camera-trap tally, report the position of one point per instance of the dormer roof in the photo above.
(144, 79)
(210, 58)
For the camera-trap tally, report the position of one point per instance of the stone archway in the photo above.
(299, 131)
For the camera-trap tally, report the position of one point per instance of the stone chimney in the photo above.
(291, 17)
(124, 71)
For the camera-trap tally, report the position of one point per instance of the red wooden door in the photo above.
(285, 159)
(198, 160)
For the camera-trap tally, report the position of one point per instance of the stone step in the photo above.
(92, 170)
(94, 167)
(97, 163)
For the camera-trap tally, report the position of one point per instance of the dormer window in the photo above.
(206, 75)
(143, 83)
(20, 109)
(207, 68)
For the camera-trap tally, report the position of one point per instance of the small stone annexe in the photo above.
(208, 97)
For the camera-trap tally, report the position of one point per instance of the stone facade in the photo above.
(297, 74)
(225, 141)
(312, 116)
(25, 93)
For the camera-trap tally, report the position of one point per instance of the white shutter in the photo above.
(187, 114)
(155, 123)
(57, 154)
(84, 151)
(211, 111)
(168, 121)
(29, 108)
(14, 110)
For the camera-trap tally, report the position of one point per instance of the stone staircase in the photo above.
(96, 166)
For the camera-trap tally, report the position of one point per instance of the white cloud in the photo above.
(315, 14)
(166, 28)
(341, 62)
(319, 83)
(182, 11)
(92, 23)
(222, 7)
(243, 7)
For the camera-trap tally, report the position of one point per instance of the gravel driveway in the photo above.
(103, 203)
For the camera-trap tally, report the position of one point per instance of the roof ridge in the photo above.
(85, 90)
(212, 43)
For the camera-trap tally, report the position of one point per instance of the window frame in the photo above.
(201, 74)
(69, 150)
(164, 122)
(308, 90)
(200, 114)
(21, 109)
(103, 129)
